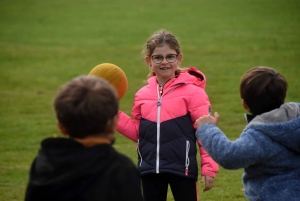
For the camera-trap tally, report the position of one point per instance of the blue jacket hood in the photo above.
(285, 121)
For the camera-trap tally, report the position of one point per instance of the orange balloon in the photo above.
(114, 75)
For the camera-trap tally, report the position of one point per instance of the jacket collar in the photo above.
(249, 117)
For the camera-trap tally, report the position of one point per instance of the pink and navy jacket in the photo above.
(163, 126)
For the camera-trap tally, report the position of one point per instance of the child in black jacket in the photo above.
(84, 166)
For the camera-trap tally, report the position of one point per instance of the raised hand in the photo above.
(207, 119)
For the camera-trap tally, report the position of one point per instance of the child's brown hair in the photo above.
(263, 89)
(85, 106)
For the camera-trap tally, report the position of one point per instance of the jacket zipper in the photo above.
(138, 149)
(158, 124)
(187, 160)
(158, 129)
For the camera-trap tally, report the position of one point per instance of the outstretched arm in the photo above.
(250, 148)
(127, 126)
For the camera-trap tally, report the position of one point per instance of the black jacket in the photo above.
(66, 170)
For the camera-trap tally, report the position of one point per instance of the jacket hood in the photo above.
(189, 75)
(198, 78)
(282, 125)
(64, 166)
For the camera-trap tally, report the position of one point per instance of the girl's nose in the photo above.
(164, 60)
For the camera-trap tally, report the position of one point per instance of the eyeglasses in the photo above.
(158, 58)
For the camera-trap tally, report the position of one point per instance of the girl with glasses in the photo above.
(162, 124)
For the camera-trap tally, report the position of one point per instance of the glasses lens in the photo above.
(157, 59)
(171, 58)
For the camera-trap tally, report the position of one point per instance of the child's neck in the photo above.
(163, 81)
(91, 141)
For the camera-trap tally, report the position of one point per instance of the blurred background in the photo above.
(43, 44)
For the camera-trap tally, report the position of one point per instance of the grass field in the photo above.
(43, 44)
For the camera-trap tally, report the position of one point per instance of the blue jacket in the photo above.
(268, 149)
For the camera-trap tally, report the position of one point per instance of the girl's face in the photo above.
(170, 61)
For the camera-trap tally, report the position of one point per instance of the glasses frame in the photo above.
(164, 58)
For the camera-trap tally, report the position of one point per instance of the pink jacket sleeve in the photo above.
(208, 166)
(128, 127)
(198, 107)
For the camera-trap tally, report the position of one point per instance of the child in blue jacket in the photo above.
(269, 147)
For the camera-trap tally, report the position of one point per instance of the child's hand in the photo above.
(209, 182)
(207, 119)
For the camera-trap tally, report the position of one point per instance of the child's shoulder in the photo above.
(123, 161)
(194, 76)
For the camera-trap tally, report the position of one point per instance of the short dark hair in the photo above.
(86, 105)
(263, 89)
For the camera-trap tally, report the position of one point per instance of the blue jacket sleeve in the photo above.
(250, 148)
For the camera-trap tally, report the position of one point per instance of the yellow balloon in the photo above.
(114, 75)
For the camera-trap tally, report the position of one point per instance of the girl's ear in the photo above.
(148, 60)
(179, 59)
(62, 129)
(245, 105)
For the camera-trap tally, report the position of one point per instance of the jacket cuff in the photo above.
(209, 173)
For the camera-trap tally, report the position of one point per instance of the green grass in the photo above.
(43, 44)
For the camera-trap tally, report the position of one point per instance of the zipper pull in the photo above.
(159, 102)
(186, 172)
